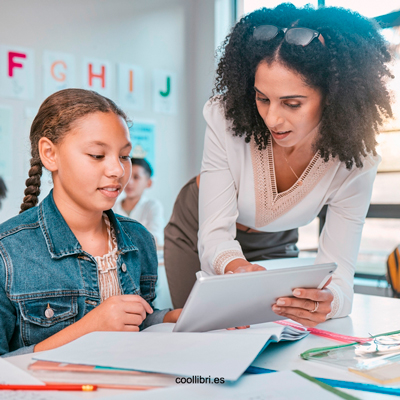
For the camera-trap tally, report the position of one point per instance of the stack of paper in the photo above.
(12, 375)
(216, 354)
(106, 378)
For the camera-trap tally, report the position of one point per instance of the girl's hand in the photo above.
(118, 313)
(309, 307)
(172, 316)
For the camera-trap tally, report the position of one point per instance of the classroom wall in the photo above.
(176, 35)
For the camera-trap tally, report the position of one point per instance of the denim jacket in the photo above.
(42, 266)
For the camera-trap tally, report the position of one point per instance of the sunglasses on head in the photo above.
(297, 36)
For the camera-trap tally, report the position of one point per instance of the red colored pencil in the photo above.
(82, 388)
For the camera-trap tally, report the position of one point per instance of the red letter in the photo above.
(12, 64)
(102, 76)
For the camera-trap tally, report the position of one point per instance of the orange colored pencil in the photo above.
(82, 388)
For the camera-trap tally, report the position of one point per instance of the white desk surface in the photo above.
(371, 314)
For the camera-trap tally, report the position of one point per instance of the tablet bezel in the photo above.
(220, 316)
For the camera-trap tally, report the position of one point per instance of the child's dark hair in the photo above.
(143, 163)
(350, 71)
(56, 116)
(3, 190)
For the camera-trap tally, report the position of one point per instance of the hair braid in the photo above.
(32, 190)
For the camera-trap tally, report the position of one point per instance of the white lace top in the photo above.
(107, 266)
(238, 185)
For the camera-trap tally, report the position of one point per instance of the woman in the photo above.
(300, 96)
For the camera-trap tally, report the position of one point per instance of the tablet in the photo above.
(224, 301)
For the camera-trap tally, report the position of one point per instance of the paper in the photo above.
(211, 354)
(270, 331)
(58, 72)
(250, 387)
(12, 375)
(97, 76)
(131, 90)
(165, 94)
(27, 395)
(17, 72)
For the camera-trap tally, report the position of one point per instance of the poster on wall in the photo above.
(131, 87)
(165, 96)
(58, 72)
(6, 147)
(17, 72)
(142, 135)
(97, 76)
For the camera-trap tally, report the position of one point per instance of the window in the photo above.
(247, 6)
(370, 9)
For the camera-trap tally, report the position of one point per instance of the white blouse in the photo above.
(238, 185)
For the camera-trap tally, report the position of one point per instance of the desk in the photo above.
(371, 314)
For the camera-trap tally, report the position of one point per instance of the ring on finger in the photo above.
(315, 307)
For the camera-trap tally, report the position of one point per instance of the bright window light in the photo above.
(367, 8)
(251, 5)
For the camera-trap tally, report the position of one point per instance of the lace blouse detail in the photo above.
(335, 302)
(270, 205)
(224, 258)
(107, 266)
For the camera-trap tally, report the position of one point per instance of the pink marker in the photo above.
(330, 335)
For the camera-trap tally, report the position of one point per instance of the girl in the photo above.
(69, 266)
(301, 95)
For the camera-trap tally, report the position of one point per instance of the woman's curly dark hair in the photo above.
(350, 70)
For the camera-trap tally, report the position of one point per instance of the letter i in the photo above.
(130, 81)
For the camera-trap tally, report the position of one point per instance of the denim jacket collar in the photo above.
(60, 239)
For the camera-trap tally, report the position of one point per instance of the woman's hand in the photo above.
(172, 316)
(240, 265)
(309, 307)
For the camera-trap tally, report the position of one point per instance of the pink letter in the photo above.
(12, 64)
(131, 81)
(102, 76)
(61, 76)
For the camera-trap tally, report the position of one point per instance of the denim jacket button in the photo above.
(123, 267)
(49, 313)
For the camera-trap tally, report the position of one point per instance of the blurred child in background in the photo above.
(149, 212)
